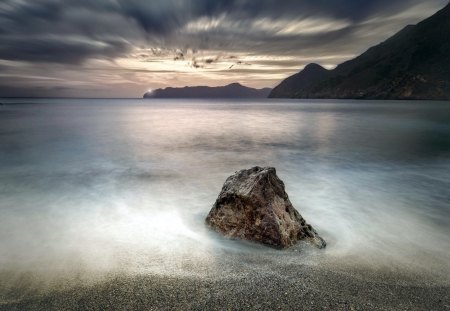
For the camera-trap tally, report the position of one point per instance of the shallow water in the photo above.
(105, 186)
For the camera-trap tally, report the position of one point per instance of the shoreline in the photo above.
(251, 279)
(296, 287)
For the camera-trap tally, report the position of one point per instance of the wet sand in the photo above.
(302, 289)
(258, 281)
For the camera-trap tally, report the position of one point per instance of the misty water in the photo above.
(105, 186)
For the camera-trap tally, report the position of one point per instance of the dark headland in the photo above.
(233, 90)
(412, 64)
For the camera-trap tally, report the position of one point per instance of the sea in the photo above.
(99, 186)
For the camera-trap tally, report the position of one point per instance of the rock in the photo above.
(253, 205)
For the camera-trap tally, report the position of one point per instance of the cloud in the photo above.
(197, 34)
(59, 49)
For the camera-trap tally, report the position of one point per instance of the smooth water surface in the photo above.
(105, 185)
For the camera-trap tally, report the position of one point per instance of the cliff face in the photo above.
(413, 64)
(234, 90)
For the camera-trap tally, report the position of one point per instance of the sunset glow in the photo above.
(134, 44)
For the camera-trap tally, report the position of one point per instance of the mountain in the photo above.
(412, 64)
(234, 90)
(311, 74)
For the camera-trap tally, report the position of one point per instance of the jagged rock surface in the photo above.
(253, 205)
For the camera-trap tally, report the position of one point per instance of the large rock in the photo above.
(253, 205)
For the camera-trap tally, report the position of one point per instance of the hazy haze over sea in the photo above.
(104, 186)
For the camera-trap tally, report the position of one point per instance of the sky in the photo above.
(122, 48)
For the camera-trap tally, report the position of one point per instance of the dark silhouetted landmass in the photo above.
(412, 64)
(234, 90)
(310, 75)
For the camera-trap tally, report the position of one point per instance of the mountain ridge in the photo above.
(233, 90)
(412, 64)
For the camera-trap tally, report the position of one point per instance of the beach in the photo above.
(275, 286)
(103, 204)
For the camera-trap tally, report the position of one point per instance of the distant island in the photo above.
(234, 90)
(412, 64)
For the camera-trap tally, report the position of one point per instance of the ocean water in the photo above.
(103, 186)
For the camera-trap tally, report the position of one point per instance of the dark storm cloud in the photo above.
(351, 9)
(49, 30)
(58, 49)
(164, 16)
